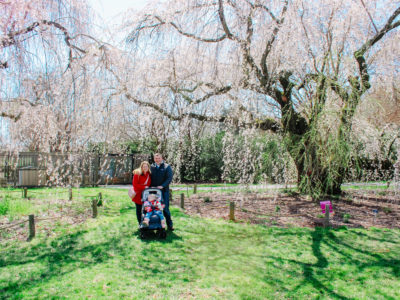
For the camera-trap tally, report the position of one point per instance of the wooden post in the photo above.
(25, 192)
(100, 199)
(232, 211)
(94, 207)
(182, 200)
(70, 194)
(31, 227)
(326, 220)
(195, 189)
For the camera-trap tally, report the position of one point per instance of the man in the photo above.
(161, 177)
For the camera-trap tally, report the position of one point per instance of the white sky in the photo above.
(111, 10)
(111, 13)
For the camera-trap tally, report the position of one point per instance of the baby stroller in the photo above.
(155, 221)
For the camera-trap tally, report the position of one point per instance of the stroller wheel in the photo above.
(142, 235)
(162, 234)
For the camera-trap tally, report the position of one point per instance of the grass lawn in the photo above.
(202, 258)
(380, 187)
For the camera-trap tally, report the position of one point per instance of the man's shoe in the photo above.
(171, 228)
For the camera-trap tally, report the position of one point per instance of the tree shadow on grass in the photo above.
(57, 258)
(327, 237)
(374, 259)
(308, 269)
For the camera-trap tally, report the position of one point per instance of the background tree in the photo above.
(54, 75)
(297, 67)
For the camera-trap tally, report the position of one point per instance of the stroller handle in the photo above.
(152, 190)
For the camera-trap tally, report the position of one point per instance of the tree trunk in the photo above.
(314, 177)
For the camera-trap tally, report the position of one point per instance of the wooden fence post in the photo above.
(25, 192)
(31, 227)
(195, 189)
(232, 211)
(94, 208)
(15, 177)
(100, 199)
(182, 200)
(70, 194)
(326, 220)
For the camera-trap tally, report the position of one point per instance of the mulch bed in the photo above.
(353, 209)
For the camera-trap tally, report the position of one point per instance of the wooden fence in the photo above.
(93, 201)
(70, 169)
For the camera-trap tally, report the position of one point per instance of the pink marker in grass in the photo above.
(324, 204)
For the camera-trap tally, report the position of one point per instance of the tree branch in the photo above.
(197, 38)
(268, 46)
(223, 20)
(359, 54)
(10, 39)
(11, 116)
(216, 92)
(268, 11)
(369, 15)
(268, 124)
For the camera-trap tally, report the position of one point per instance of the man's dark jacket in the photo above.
(161, 175)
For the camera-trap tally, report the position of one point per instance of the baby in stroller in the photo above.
(152, 213)
(153, 206)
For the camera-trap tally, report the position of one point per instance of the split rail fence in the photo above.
(93, 201)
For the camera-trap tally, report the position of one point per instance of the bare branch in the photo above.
(10, 40)
(223, 21)
(268, 46)
(216, 92)
(369, 15)
(178, 29)
(249, 27)
(310, 51)
(268, 124)
(201, 39)
(359, 54)
(277, 21)
(11, 116)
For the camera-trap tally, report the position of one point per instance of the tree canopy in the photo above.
(297, 68)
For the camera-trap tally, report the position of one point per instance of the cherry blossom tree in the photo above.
(299, 68)
(51, 99)
(51, 69)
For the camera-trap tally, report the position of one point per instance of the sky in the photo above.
(110, 13)
(111, 10)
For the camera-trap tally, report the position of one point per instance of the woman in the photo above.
(141, 181)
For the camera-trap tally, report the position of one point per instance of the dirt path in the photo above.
(353, 209)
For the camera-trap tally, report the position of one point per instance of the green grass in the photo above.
(203, 258)
(290, 191)
(379, 186)
(13, 205)
(104, 258)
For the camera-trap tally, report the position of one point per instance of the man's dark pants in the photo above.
(167, 213)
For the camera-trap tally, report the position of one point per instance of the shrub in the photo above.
(346, 218)
(387, 210)
(207, 199)
(4, 205)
